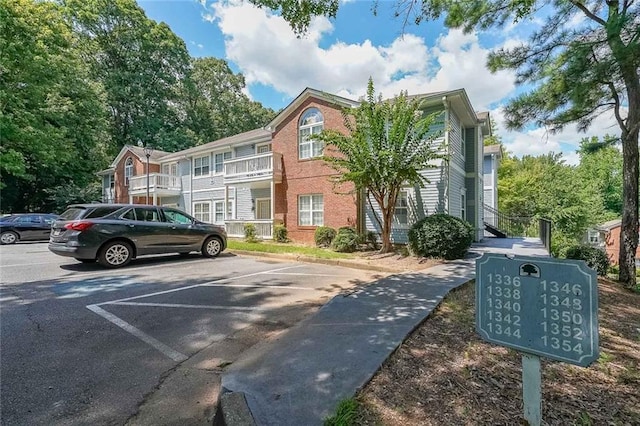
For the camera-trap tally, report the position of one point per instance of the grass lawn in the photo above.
(287, 248)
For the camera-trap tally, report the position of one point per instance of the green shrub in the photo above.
(441, 235)
(346, 414)
(324, 235)
(346, 240)
(280, 234)
(250, 233)
(368, 239)
(596, 258)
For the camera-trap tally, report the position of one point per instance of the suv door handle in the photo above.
(131, 225)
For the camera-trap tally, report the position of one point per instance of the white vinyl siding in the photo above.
(310, 210)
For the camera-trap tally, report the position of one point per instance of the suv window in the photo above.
(101, 211)
(174, 216)
(28, 219)
(75, 213)
(129, 215)
(147, 214)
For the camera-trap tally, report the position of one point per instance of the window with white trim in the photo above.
(310, 210)
(218, 211)
(202, 211)
(463, 206)
(170, 169)
(219, 160)
(128, 170)
(201, 165)
(263, 149)
(594, 236)
(401, 215)
(311, 123)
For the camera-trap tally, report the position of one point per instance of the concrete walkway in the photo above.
(300, 378)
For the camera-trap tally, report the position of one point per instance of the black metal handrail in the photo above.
(511, 226)
(544, 231)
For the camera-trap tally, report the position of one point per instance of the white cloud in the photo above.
(539, 141)
(267, 51)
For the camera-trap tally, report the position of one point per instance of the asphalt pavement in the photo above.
(300, 377)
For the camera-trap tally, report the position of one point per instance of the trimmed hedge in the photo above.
(250, 233)
(346, 240)
(441, 235)
(324, 235)
(280, 234)
(596, 258)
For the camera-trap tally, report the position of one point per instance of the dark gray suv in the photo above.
(113, 234)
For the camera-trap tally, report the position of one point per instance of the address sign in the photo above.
(543, 306)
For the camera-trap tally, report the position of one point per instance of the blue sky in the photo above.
(339, 55)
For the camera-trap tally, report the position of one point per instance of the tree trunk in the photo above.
(387, 216)
(628, 62)
(629, 228)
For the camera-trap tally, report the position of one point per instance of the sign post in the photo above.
(541, 307)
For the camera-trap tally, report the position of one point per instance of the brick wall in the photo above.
(612, 245)
(139, 169)
(311, 176)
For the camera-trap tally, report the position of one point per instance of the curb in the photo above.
(233, 410)
(333, 262)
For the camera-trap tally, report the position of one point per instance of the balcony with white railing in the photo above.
(254, 168)
(264, 228)
(159, 183)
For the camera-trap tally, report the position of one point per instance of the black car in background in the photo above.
(113, 234)
(25, 227)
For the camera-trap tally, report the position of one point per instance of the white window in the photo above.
(220, 159)
(170, 169)
(263, 149)
(401, 215)
(311, 123)
(218, 215)
(463, 206)
(128, 170)
(310, 210)
(201, 166)
(202, 211)
(594, 236)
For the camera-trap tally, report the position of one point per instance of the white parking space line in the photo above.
(182, 305)
(286, 287)
(164, 349)
(27, 265)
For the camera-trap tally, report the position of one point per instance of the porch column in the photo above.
(273, 204)
(155, 199)
(130, 199)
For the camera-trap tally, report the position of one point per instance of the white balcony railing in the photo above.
(256, 167)
(264, 228)
(108, 195)
(157, 182)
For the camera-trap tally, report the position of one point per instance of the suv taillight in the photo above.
(78, 226)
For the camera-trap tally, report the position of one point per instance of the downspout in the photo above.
(445, 102)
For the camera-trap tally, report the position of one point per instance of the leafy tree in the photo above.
(600, 172)
(576, 71)
(546, 187)
(495, 138)
(215, 105)
(387, 145)
(141, 64)
(52, 115)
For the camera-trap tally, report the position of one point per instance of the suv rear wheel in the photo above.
(115, 254)
(212, 247)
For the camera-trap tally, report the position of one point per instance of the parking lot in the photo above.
(87, 345)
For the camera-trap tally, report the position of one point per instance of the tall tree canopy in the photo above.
(141, 64)
(388, 144)
(215, 104)
(582, 62)
(53, 121)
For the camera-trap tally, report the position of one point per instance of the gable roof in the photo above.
(250, 137)
(306, 94)
(495, 149)
(138, 151)
(608, 226)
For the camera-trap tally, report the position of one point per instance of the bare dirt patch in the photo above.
(396, 262)
(443, 374)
